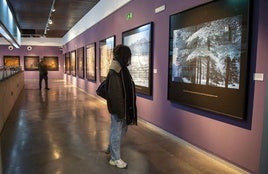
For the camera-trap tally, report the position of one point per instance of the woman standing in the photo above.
(121, 102)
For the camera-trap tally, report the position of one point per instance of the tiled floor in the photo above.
(64, 131)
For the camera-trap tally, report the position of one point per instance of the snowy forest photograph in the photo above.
(208, 53)
(67, 63)
(73, 63)
(106, 56)
(209, 60)
(80, 62)
(91, 62)
(139, 42)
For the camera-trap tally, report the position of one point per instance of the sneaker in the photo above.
(118, 163)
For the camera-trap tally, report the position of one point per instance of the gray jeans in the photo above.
(117, 132)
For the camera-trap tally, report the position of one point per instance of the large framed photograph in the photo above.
(67, 63)
(91, 62)
(209, 59)
(52, 63)
(106, 56)
(73, 63)
(31, 63)
(80, 62)
(11, 61)
(139, 41)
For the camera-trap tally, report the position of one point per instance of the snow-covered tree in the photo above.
(214, 47)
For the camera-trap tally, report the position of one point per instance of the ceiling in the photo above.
(32, 15)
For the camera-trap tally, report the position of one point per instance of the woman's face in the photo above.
(129, 60)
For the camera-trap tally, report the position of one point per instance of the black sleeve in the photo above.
(115, 98)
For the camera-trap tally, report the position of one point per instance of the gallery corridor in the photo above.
(65, 131)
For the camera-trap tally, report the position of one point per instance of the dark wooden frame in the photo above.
(203, 34)
(106, 47)
(12, 61)
(31, 63)
(52, 63)
(140, 41)
(80, 62)
(91, 61)
(73, 63)
(67, 63)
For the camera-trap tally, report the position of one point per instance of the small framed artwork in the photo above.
(31, 63)
(139, 40)
(11, 61)
(209, 58)
(67, 63)
(106, 56)
(91, 62)
(52, 63)
(73, 63)
(80, 62)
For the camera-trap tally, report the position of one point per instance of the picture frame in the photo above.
(67, 63)
(80, 62)
(91, 62)
(209, 57)
(139, 40)
(11, 61)
(106, 47)
(31, 63)
(52, 63)
(73, 63)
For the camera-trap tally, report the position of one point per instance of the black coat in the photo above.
(121, 94)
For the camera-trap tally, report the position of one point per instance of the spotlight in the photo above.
(49, 21)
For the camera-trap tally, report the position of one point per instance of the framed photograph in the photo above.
(67, 63)
(106, 56)
(209, 59)
(12, 61)
(52, 63)
(139, 41)
(91, 62)
(80, 62)
(31, 63)
(73, 63)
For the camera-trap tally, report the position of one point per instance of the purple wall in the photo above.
(36, 51)
(235, 141)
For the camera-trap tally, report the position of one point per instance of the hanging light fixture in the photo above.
(49, 20)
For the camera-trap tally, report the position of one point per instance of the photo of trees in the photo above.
(91, 62)
(208, 53)
(106, 56)
(80, 62)
(139, 40)
(139, 44)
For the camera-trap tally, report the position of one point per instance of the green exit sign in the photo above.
(129, 16)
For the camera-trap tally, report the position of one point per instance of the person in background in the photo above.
(42, 66)
(121, 102)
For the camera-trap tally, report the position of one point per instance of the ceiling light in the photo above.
(49, 20)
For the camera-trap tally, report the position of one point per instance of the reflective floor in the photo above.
(64, 131)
